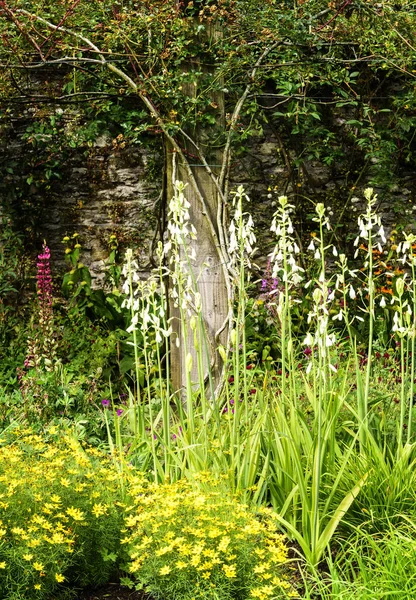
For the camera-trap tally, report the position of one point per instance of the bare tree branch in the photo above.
(158, 119)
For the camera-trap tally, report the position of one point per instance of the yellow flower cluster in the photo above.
(54, 495)
(60, 501)
(194, 536)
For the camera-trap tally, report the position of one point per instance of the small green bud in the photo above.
(222, 353)
(320, 210)
(188, 362)
(400, 286)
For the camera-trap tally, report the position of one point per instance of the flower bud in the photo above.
(222, 353)
(188, 362)
(192, 322)
(400, 286)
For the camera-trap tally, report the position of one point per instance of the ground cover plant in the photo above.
(60, 514)
(71, 518)
(192, 540)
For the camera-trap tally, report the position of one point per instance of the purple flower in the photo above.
(44, 278)
(175, 436)
(42, 345)
(269, 283)
(119, 412)
(105, 402)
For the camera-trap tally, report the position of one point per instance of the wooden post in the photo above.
(208, 268)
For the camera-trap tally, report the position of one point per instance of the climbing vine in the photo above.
(335, 81)
(333, 70)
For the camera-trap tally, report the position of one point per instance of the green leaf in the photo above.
(126, 364)
(127, 582)
(342, 508)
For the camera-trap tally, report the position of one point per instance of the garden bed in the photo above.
(112, 591)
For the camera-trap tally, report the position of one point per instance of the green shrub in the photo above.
(192, 541)
(59, 515)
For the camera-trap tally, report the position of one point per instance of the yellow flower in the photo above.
(28, 557)
(195, 560)
(283, 584)
(59, 578)
(229, 571)
(75, 513)
(261, 568)
(214, 533)
(165, 570)
(180, 564)
(164, 550)
(224, 543)
(57, 538)
(37, 586)
(38, 566)
(98, 510)
(2, 565)
(264, 592)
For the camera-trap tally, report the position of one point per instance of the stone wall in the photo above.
(112, 196)
(117, 190)
(110, 192)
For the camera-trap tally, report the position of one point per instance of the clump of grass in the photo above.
(371, 566)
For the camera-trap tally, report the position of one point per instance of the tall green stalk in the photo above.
(132, 303)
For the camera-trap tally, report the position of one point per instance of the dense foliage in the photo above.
(73, 519)
(315, 414)
(334, 82)
(60, 503)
